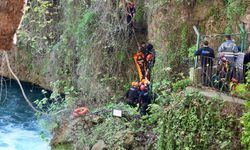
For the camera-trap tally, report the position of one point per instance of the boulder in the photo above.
(100, 145)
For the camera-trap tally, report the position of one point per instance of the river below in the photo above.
(19, 128)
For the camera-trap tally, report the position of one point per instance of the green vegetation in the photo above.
(181, 85)
(182, 120)
(188, 120)
(63, 147)
(84, 47)
(86, 51)
(234, 9)
(193, 122)
(245, 119)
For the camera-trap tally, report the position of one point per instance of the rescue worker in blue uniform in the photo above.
(144, 99)
(133, 94)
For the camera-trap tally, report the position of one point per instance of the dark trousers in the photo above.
(143, 108)
(132, 103)
(206, 75)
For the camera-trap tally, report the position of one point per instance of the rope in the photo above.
(20, 85)
(132, 20)
(136, 40)
(23, 93)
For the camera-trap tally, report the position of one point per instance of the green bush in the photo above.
(181, 85)
(193, 122)
(245, 119)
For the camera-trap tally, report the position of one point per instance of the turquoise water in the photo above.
(19, 128)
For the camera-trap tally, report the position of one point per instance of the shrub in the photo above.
(180, 85)
(245, 119)
(193, 122)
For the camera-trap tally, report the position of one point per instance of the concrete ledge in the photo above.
(210, 93)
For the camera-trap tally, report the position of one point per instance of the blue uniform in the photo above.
(133, 96)
(228, 46)
(207, 55)
(145, 100)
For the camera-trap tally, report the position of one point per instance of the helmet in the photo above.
(135, 84)
(142, 87)
(145, 82)
(150, 57)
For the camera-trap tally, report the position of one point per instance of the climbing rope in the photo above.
(23, 93)
(126, 8)
(20, 85)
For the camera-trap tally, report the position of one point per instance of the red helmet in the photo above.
(150, 57)
(142, 87)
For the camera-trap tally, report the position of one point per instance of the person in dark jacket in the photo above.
(150, 50)
(207, 54)
(150, 59)
(133, 94)
(143, 48)
(144, 99)
(130, 14)
(228, 46)
(246, 62)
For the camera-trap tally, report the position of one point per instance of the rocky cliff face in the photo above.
(11, 12)
(170, 27)
(92, 50)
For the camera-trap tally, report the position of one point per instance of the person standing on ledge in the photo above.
(207, 54)
(228, 49)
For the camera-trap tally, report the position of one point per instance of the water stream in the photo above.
(19, 128)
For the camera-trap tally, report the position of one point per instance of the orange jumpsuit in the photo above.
(139, 59)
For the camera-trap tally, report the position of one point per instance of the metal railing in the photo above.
(220, 72)
(241, 39)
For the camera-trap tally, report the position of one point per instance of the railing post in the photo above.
(243, 37)
(198, 38)
(246, 40)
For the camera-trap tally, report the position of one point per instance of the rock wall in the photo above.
(165, 24)
(246, 20)
(170, 29)
(11, 12)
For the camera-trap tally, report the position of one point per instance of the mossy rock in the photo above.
(62, 147)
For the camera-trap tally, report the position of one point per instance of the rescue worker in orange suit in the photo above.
(144, 99)
(139, 59)
(133, 94)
